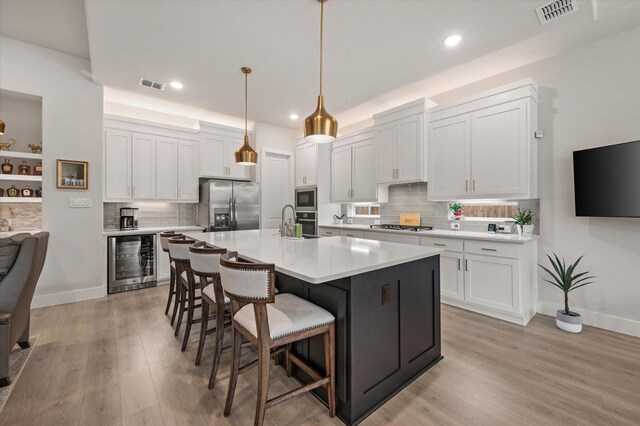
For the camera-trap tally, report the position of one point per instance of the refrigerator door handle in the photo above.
(231, 228)
(235, 216)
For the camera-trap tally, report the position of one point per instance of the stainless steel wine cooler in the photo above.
(131, 262)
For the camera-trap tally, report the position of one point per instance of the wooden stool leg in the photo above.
(264, 361)
(329, 362)
(217, 354)
(183, 300)
(176, 304)
(190, 308)
(204, 324)
(287, 360)
(172, 290)
(235, 367)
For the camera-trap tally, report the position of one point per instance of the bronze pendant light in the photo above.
(320, 127)
(246, 156)
(1, 127)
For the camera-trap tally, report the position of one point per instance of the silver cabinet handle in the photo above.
(439, 244)
(488, 249)
(466, 265)
(459, 265)
(349, 235)
(466, 185)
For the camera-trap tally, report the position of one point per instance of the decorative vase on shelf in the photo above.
(527, 230)
(13, 191)
(24, 168)
(37, 169)
(39, 192)
(7, 167)
(27, 192)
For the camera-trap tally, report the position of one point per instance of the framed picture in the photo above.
(493, 228)
(72, 174)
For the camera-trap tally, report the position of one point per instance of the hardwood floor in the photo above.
(115, 361)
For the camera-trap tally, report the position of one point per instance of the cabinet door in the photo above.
(143, 167)
(301, 164)
(234, 170)
(363, 171)
(328, 232)
(385, 137)
(408, 149)
(117, 147)
(449, 160)
(499, 150)
(451, 275)
(351, 233)
(162, 269)
(492, 282)
(187, 170)
(312, 161)
(212, 156)
(167, 168)
(341, 174)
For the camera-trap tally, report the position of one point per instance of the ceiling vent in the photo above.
(146, 82)
(555, 9)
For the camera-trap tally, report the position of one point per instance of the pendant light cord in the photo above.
(246, 102)
(321, 39)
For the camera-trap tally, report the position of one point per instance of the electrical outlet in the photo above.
(349, 221)
(80, 203)
(455, 226)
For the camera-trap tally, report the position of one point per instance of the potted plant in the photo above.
(456, 209)
(338, 218)
(566, 279)
(524, 222)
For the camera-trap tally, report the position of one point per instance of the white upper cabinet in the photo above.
(353, 169)
(401, 144)
(484, 146)
(117, 149)
(218, 145)
(187, 170)
(146, 161)
(143, 167)
(306, 163)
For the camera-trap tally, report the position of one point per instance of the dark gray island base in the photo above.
(387, 332)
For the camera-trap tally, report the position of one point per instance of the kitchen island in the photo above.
(385, 297)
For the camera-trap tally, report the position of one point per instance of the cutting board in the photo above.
(410, 219)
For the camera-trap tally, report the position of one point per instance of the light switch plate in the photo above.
(80, 203)
(349, 221)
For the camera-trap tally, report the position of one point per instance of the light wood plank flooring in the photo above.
(115, 361)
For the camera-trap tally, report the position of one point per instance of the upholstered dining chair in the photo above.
(173, 288)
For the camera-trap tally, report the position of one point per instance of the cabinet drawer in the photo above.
(351, 233)
(393, 238)
(328, 232)
(491, 248)
(449, 244)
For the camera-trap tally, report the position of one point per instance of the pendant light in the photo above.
(320, 127)
(246, 156)
(1, 127)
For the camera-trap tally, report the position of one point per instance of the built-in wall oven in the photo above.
(309, 222)
(306, 199)
(131, 262)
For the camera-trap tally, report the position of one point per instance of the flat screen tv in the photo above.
(607, 180)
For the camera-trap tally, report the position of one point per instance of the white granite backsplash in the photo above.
(152, 215)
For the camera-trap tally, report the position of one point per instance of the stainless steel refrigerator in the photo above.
(227, 205)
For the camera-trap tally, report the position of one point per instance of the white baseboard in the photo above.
(40, 301)
(596, 319)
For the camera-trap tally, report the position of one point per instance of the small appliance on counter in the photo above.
(128, 219)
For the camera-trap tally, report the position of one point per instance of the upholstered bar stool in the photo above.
(272, 323)
(164, 242)
(205, 264)
(185, 283)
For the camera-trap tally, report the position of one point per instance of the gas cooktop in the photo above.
(402, 227)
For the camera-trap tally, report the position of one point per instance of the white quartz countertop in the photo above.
(12, 233)
(469, 235)
(316, 260)
(117, 232)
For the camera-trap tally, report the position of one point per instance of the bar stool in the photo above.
(205, 264)
(185, 283)
(164, 242)
(272, 323)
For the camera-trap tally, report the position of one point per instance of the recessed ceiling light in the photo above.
(453, 40)
(176, 85)
(293, 116)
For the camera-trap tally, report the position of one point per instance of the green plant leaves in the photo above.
(564, 277)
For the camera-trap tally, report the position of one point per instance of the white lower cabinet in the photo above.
(328, 232)
(351, 233)
(392, 238)
(452, 275)
(492, 282)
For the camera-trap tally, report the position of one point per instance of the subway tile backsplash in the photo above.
(152, 215)
(26, 216)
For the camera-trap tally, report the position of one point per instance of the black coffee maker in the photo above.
(128, 218)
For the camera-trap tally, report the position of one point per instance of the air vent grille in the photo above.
(147, 82)
(555, 9)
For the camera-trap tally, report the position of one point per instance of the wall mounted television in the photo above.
(607, 181)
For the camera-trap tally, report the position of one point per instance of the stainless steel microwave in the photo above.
(306, 199)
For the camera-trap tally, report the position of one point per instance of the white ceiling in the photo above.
(55, 24)
(372, 48)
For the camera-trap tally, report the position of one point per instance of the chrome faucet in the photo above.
(282, 232)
